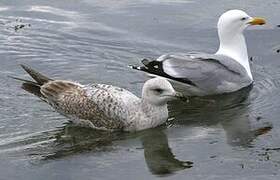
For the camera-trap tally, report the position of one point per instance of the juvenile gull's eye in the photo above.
(158, 90)
(243, 19)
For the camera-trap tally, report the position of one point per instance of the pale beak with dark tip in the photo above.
(180, 96)
(257, 21)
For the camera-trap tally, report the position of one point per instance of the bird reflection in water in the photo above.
(72, 140)
(231, 111)
(158, 155)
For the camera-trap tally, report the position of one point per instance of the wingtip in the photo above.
(134, 67)
(38, 77)
(130, 66)
(24, 66)
(145, 61)
(12, 77)
(22, 80)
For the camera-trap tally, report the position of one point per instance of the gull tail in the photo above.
(33, 87)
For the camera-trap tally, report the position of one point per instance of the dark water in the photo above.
(229, 137)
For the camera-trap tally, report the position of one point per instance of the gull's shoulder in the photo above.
(115, 91)
(183, 56)
(196, 58)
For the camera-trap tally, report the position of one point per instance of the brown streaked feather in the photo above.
(58, 88)
(72, 100)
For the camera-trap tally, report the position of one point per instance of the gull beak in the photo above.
(257, 21)
(180, 96)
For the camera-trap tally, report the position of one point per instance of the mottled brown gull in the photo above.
(101, 106)
(201, 74)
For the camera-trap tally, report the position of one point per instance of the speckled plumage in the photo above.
(103, 106)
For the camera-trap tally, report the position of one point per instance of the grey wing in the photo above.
(204, 71)
(98, 107)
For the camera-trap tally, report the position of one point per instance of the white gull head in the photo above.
(158, 91)
(231, 25)
(153, 109)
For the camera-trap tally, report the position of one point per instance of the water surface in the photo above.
(225, 137)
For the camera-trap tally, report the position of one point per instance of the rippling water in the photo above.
(224, 137)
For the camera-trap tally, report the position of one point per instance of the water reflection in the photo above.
(72, 140)
(158, 155)
(239, 131)
(231, 111)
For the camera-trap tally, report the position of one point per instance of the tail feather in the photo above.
(38, 77)
(33, 89)
(31, 86)
(24, 80)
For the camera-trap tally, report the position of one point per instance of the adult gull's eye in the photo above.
(243, 19)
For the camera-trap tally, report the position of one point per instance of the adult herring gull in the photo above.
(201, 74)
(101, 106)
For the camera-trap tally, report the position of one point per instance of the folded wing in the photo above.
(95, 106)
(206, 72)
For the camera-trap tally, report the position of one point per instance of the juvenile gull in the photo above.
(101, 106)
(202, 74)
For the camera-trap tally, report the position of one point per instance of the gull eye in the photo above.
(243, 19)
(158, 90)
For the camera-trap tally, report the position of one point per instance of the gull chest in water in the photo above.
(146, 116)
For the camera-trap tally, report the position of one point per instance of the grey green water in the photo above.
(226, 137)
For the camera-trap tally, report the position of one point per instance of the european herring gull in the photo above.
(201, 74)
(101, 106)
